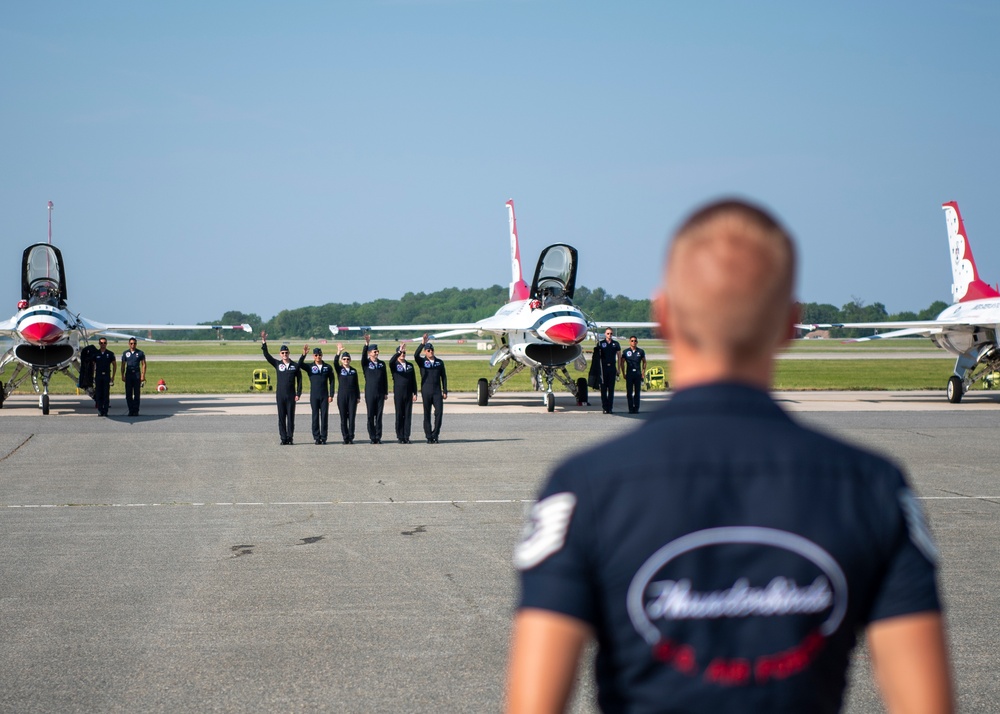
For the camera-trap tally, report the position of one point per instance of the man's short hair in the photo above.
(729, 279)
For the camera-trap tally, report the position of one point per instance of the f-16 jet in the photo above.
(967, 328)
(538, 329)
(48, 337)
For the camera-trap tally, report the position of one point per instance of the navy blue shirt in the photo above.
(726, 557)
(404, 377)
(433, 377)
(289, 375)
(132, 361)
(633, 360)
(607, 353)
(321, 378)
(102, 363)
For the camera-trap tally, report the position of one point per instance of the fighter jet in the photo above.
(538, 329)
(48, 337)
(967, 329)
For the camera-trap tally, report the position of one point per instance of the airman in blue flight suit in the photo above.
(376, 388)
(321, 384)
(105, 368)
(404, 392)
(287, 390)
(433, 388)
(606, 354)
(134, 375)
(348, 394)
(633, 366)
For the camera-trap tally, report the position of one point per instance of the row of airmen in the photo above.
(323, 377)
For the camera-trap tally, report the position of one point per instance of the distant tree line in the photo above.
(472, 304)
(857, 311)
(448, 305)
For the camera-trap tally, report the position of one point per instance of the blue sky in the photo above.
(261, 156)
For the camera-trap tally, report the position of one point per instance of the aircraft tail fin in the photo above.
(965, 282)
(519, 289)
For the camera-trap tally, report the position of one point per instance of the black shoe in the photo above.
(430, 440)
(317, 442)
(346, 442)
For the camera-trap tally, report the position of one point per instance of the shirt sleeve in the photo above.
(553, 556)
(909, 584)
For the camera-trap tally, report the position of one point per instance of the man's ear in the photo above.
(659, 309)
(794, 317)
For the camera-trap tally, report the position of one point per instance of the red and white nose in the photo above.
(566, 332)
(41, 332)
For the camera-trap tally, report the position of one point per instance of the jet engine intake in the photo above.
(44, 357)
(549, 355)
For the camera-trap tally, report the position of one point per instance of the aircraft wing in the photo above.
(903, 328)
(8, 326)
(126, 329)
(436, 330)
(627, 325)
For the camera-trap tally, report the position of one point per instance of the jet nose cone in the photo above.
(41, 333)
(568, 332)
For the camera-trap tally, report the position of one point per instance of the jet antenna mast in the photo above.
(51, 206)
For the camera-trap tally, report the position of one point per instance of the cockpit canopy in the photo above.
(555, 275)
(43, 279)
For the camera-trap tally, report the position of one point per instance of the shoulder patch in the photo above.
(545, 531)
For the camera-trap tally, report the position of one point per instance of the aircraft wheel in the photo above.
(550, 402)
(483, 393)
(955, 390)
(45, 404)
(582, 397)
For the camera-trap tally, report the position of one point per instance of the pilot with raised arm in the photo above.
(321, 386)
(105, 368)
(433, 387)
(404, 392)
(724, 557)
(376, 388)
(606, 355)
(134, 375)
(348, 394)
(287, 390)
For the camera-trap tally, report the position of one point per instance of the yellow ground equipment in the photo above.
(654, 379)
(991, 381)
(261, 381)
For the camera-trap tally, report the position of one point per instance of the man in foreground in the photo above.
(724, 557)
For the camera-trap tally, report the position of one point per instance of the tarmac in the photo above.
(184, 561)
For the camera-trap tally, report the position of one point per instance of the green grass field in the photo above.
(230, 377)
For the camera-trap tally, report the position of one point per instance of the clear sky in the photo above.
(259, 156)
